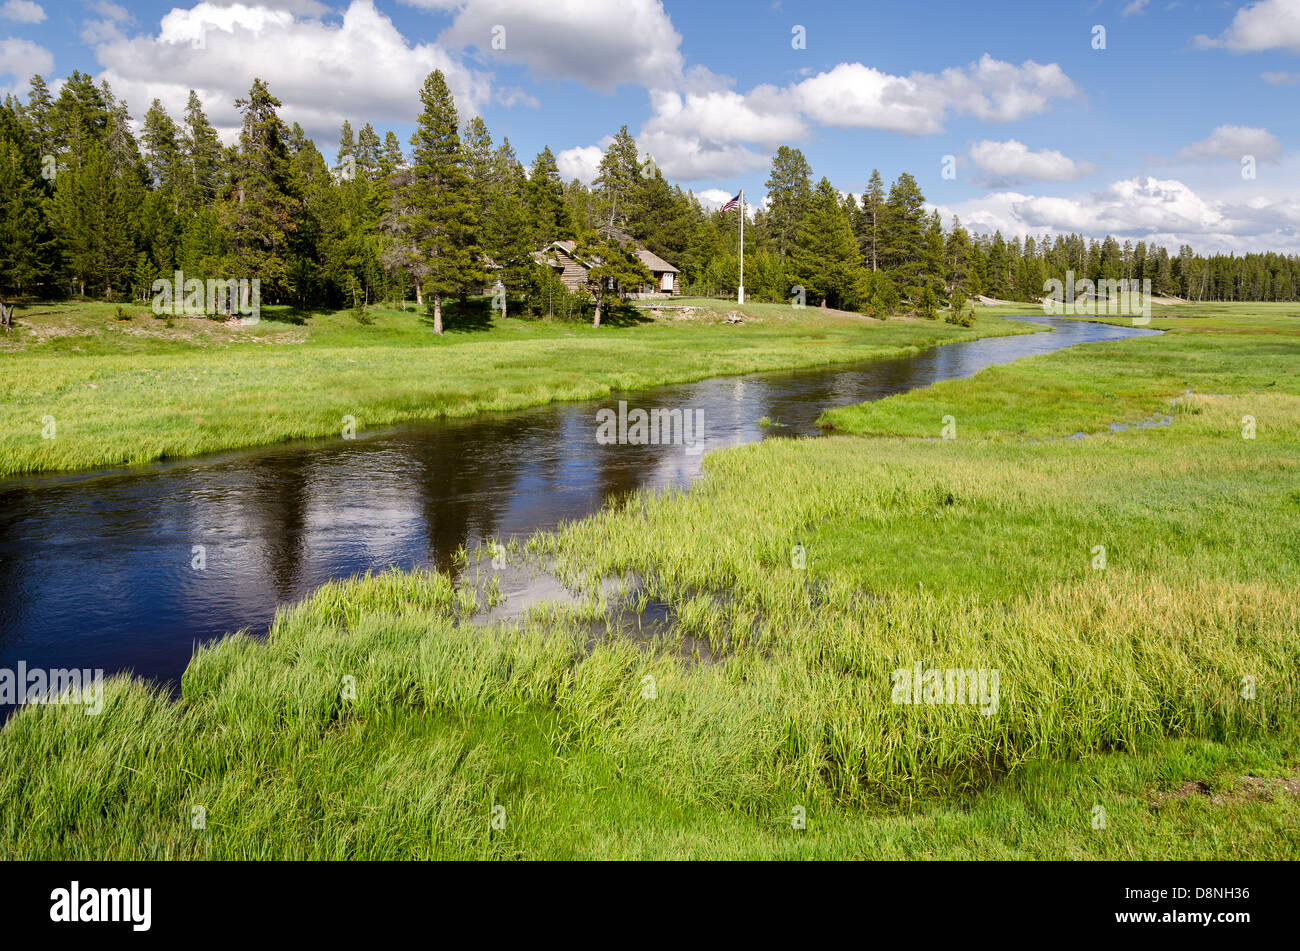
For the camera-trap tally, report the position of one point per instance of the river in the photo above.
(129, 569)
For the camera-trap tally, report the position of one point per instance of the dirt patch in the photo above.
(1249, 789)
(700, 314)
(32, 330)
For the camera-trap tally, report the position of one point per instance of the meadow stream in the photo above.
(99, 569)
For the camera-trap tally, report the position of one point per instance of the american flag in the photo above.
(734, 203)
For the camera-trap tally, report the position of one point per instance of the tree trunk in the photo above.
(437, 313)
(419, 294)
(6, 317)
(596, 321)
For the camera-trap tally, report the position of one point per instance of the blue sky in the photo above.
(1184, 128)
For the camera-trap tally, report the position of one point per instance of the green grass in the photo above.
(1121, 686)
(129, 392)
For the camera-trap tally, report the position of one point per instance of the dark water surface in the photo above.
(96, 569)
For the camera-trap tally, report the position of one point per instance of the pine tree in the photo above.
(203, 156)
(392, 158)
(617, 181)
(262, 210)
(24, 238)
(903, 233)
(546, 200)
(998, 269)
(369, 152)
(78, 118)
(957, 257)
(160, 221)
(789, 191)
(873, 208)
(613, 266)
(932, 256)
(507, 231)
(347, 150)
(94, 222)
(439, 206)
(825, 259)
(345, 208)
(38, 117)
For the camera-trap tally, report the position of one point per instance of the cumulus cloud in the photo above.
(1267, 25)
(324, 71)
(696, 158)
(861, 96)
(1234, 142)
(601, 45)
(22, 11)
(581, 163)
(1136, 7)
(21, 59)
(715, 197)
(1011, 163)
(1164, 211)
(705, 132)
(702, 134)
(764, 116)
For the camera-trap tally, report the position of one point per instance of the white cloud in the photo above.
(1281, 78)
(312, 8)
(1011, 163)
(1234, 142)
(714, 197)
(1137, 6)
(580, 163)
(694, 158)
(111, 11)
(22, 11)
(599, 44)
(323, 71)
(1267, 25)
(22, 59)
(1166, 212)
(763, 116)
(702, 133)
(861, 96)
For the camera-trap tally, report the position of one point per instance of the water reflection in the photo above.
(97, 569)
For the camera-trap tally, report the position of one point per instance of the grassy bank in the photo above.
(1157, 685)
(130, 391)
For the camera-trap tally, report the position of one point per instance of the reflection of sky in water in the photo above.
(97, 567)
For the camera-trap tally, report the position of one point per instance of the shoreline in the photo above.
(584, 374)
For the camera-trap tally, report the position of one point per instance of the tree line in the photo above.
(91, 208)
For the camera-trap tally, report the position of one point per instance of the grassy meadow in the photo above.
(1137, 590)
(131, 391)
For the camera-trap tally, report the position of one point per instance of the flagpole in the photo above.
(740, 298)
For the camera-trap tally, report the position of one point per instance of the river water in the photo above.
(98, 570)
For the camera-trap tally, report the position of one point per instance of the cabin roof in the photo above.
(651, 260)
